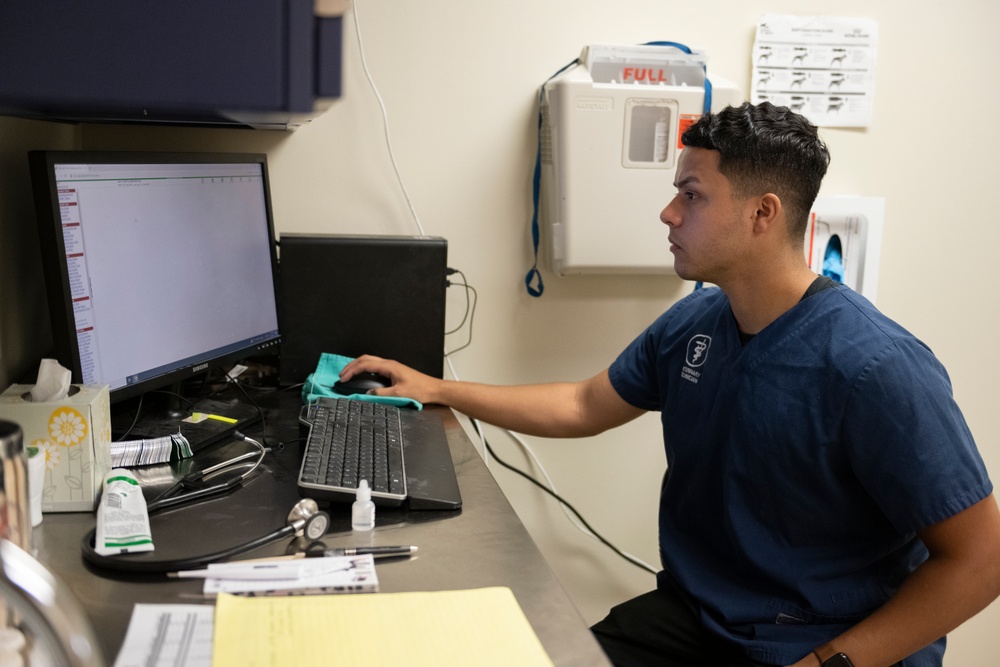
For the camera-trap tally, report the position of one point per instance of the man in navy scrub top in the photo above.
(824, 503)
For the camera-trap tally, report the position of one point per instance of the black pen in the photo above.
(378, 552)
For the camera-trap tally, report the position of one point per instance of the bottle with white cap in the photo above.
(363, 509)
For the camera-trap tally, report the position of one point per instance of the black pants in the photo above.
(659, 630)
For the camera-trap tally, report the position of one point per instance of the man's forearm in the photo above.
(547, 410)
(555, 410)
(961, 577)
(932, 602)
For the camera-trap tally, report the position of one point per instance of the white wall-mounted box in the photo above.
(610, 142)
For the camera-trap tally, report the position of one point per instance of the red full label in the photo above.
(643, 75)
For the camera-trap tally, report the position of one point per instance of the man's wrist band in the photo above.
(831, 659)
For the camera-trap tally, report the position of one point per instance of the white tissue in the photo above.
(52, 383)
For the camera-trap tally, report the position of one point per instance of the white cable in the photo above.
(451, 366)
(385, 120)
(548, 482)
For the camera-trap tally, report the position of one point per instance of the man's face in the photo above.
(709, 228)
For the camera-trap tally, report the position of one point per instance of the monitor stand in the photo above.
(203, 421)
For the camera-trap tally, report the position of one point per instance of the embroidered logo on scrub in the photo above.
(697, 353)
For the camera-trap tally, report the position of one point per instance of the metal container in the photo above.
(42, 607)
(15, 517)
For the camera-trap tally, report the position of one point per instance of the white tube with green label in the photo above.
(122, 518)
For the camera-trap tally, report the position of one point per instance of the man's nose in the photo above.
(668, 215)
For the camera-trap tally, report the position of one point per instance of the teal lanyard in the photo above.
(534, 275)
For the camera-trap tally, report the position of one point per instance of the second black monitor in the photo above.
(354, 295)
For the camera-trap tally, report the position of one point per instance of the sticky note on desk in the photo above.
(199, 417)
(483, 627)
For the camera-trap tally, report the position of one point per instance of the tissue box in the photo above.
(74, 435)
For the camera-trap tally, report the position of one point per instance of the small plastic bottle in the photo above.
(363, 509)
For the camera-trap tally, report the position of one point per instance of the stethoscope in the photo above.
(305, 519)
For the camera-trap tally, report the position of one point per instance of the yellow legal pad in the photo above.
(482, 627)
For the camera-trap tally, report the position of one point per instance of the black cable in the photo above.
(260, 411)
(142, 398)
(468, 302)
(135, 420)
(191, 404)
(285, 443)
(562, 501)
(471, 313)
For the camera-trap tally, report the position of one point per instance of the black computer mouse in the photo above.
(361, 383)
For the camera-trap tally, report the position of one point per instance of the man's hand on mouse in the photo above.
(406, 382)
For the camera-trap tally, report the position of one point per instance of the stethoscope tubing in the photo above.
(129, 565)
(118, 564)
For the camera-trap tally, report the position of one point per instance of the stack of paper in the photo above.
(129, 453)
(483, 627)
(309, 576)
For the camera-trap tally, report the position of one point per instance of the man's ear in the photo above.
(767, 212)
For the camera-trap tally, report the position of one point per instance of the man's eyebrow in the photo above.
(686, 180)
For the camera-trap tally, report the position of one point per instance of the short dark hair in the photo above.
(766, 148)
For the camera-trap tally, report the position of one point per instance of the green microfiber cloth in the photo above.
(320, 384)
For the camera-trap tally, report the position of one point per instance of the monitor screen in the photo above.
(158, 265)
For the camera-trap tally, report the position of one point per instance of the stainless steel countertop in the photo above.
(483, 544)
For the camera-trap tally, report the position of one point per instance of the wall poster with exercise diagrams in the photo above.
(822, 67)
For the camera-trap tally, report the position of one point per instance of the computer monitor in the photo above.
(158, 266)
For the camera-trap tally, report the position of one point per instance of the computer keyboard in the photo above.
(349, 441)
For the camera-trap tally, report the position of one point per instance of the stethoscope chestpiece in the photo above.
(308, 520)
(316, 526)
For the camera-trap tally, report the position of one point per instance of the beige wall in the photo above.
(459, 80)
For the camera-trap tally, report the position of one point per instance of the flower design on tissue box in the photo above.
(67, 427)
